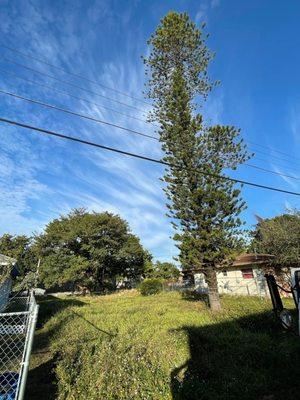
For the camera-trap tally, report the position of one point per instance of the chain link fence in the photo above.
(17, 326)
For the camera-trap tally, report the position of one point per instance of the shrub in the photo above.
(151, 286)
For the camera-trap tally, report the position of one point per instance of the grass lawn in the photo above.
(168, 346)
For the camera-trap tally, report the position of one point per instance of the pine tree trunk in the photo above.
(213, 292)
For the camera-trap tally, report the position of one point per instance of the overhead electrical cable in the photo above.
(127, 105)
(141, 157)
(275, 157)
(285, 166)
(271, 172)
(115, 90)
(75, 75)
(76, 114)
(271, 148)
(72, 84)
(71, 112)
(75, 97)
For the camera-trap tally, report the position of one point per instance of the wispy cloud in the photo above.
(44, 177)
(204, 10)
(294, 120)
(291, 182)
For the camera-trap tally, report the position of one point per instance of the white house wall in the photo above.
(234, 283)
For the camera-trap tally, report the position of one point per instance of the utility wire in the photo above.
(271, 172)
(138, 156)
(73, 74)
(288, 167)
(276, 157)
(40, 103)
(72, 84)
(74, 97)
(117, 91)
(129, 116)
(71, 112)
(271, 148)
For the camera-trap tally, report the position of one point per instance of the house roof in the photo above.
(242, 260)
(252, 258)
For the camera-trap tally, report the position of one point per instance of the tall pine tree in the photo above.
(203, 206)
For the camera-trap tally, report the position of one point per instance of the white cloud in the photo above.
(201, 15)
(284, 177)
(214, 3)
(204, 10)
(44, 177)
(295, 124)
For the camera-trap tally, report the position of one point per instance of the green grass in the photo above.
(167, 346)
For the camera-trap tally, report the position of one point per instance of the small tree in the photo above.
(151, 286)
(204, 206)
(21, 248)
(162, 270)
(87, 248)
(279, 236)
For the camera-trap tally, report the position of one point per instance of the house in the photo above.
(245, 276)
(8, 270)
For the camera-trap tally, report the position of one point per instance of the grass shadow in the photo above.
(193, 295)
(41, 382)
(248, 358)
(51, 305)
(93, 325)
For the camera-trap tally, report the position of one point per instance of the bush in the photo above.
(151, 286)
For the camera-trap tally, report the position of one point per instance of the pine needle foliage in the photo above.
(203, 206)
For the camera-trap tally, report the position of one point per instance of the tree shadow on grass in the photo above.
(41, 382)
(249, 358)
(193, 295)
(50, 305)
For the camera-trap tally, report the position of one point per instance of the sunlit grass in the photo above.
(167, 346)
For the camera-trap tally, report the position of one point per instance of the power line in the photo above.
(288, 167)
(271, 148)
(67, 111)
(138, 156)
(75, 75)
(74, 97)
(71, 112)
(117, 91)
(142, 120)
(276, 157)
(72, 84)
(270, 171)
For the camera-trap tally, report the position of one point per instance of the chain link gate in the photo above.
(17, 326)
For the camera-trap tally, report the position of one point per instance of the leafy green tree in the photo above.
(166, 270)
(279, 236)
(163, 270)
(87, 249)
(21, 248)
(204, 207)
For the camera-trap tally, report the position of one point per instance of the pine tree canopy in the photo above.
(204, 209)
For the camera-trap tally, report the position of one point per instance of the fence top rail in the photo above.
(4, 314)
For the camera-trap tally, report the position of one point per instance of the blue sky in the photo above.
(257, 61)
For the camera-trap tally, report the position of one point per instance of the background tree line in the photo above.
(85, 250)
(93, 250)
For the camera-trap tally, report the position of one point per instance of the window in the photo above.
(225, 273)
(247, 273)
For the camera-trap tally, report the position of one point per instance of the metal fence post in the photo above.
(28, 348)
(299, 317)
